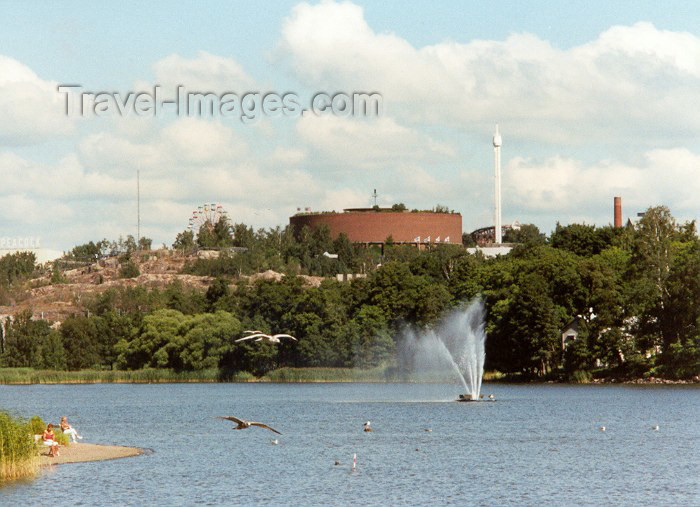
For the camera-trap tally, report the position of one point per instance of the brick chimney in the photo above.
(618, 212)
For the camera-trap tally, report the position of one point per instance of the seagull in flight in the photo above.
(275, 338)
(243, 425)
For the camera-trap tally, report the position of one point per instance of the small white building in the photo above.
(569, 334)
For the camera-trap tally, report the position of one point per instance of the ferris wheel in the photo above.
(208, 215)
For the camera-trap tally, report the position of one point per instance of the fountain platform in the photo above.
(469, 397)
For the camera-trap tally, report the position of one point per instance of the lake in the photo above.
(535, 445)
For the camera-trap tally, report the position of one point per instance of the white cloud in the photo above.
(183, 144)
(630, 91)
(31, 108)
(343, 198)
(634, 82)
(367, 144)
(563, 187)
(289, 156)
(204, 73)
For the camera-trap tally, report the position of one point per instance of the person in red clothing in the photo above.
(48, 438)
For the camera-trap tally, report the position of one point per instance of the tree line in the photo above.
(633, 292)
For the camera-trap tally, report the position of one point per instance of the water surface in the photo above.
(535, 445)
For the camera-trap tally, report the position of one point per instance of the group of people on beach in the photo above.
(49, 437)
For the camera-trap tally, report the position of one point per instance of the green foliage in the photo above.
(80, 339)
(184, 241)
(581, 239)
(128, 269)
(439, 208)
(527, 233)
(90, 251)
(30, 342)
(580, 377)
(18, 452)
(37, 425)
(145, 243)
(216, 291)
(16, 267)
(56, 275)
(635, 293)
(215, 235)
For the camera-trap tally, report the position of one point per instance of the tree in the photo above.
(215, 235)
(206, 338)
(145, 243)
(79, 336)
(529, 341)
(158, 345)
(128, 269)
(439, 208)
(187, 301)
(650, 269)
(30, 343)
(581, 239)
(184, 241)
(16, 266)
(527, 233)
(372, 342)
(89, 251)
(217, 290)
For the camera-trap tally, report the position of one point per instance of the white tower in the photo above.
(497, 191)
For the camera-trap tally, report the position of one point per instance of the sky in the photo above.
(593, 100)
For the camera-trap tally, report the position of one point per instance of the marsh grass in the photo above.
(18, 451)
(146, 376)
(156, 376)
(379, 374)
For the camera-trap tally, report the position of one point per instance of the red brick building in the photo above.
(369, 225)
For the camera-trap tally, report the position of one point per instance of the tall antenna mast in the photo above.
(374, 195)
(138, 206)
(497, 141)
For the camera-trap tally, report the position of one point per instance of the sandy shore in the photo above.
(79, 453)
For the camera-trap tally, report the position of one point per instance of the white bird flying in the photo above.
(275, 338)
(243, 425)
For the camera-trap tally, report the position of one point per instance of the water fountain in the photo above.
(454, 348)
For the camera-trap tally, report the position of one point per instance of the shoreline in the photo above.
(610, 381)
(29, 376)
(85, 453)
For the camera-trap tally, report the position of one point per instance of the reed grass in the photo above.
(374, 375)
(145, 376)
(18, 451)
(155, 376)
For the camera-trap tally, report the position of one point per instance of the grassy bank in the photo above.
(18, 452)
(18, 376)
(147, 376)
(328, 375)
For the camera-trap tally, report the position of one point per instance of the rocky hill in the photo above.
(158, 268)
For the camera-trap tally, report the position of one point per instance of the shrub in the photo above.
(129, 270)
(580, 377)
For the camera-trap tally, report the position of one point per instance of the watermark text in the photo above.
(248, 107)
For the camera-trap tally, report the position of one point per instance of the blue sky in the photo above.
(594, 100)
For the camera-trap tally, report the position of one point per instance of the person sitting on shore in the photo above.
(69, 430)
(49, 439)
